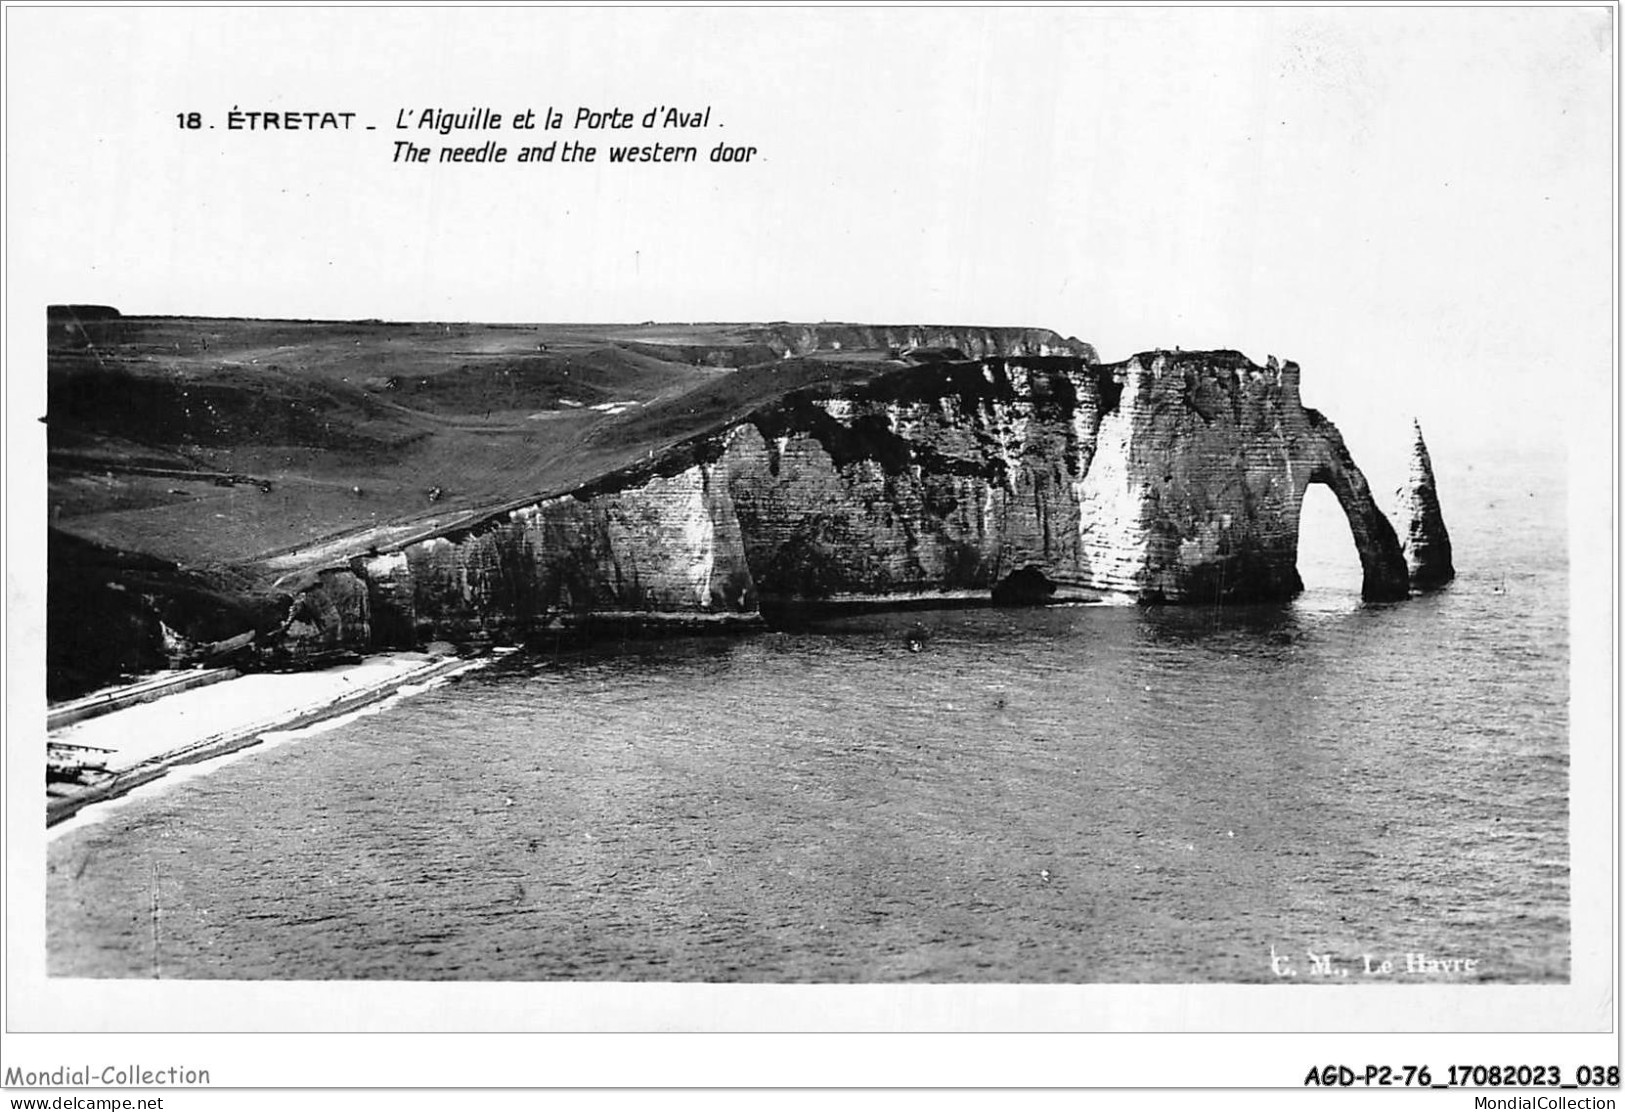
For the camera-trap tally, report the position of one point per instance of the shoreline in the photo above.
(190, 720)
(97, 721)
(145, 689)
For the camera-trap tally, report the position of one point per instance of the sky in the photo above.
(1415, 205)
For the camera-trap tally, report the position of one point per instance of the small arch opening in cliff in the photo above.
(1024, 587)
(1328, 559)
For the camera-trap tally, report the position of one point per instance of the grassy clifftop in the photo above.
(193, 463)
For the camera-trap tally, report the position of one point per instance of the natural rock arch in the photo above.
(1382, 561)
(1174, 476)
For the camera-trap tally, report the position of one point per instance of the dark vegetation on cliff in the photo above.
(105, 606)
(186, 454)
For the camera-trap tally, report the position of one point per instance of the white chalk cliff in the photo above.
(1172, 476)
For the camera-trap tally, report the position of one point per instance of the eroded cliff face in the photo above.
(1174, 476)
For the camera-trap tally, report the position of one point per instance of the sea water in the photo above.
(1071, 794)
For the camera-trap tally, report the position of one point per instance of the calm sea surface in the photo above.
(1073, 795)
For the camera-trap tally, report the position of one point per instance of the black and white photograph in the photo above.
(836, 519)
